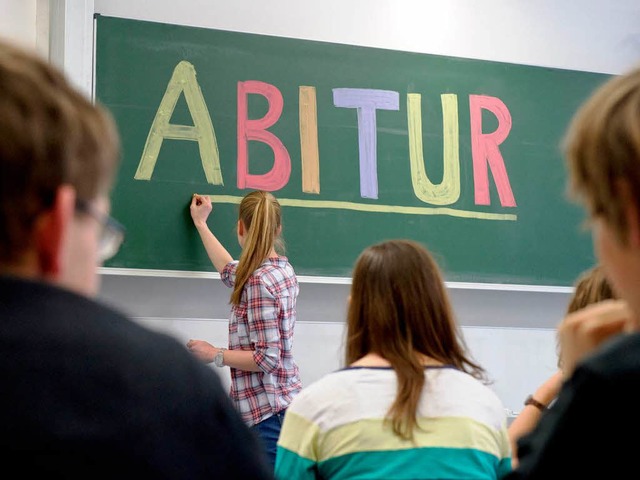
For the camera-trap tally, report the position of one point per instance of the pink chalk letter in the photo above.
(256, 130)
(485, 151)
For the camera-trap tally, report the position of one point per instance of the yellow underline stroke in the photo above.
(365, 207)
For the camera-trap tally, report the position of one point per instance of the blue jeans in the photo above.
(268, 432)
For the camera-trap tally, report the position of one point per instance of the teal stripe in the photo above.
(504, 467)
(290, 466)
(417, 464)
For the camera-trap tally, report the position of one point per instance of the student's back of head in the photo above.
(399, 309)
(591, 286)
(399, 304)
(261, 219)
(410, 402)
(50, 135)
(86, 392)
(54, 144)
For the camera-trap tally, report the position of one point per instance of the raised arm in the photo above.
(583, 331)
(200, 209)
(531, 413)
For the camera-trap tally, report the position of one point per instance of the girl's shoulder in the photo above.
(467, 393)
(274, 269)
(276, 274)
(333, 387)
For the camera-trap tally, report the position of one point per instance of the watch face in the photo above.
(218, 359)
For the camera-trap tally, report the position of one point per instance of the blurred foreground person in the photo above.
(583, 435)
(86, 392)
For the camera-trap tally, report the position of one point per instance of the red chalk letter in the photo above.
(484, 150)
(248, 130)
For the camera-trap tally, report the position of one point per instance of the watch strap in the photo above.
(532, 401)
(219, 358)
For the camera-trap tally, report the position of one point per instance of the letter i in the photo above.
(309, 151)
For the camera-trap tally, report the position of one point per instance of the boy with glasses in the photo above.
(85, 392)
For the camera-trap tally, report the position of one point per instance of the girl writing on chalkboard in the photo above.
(264, 375)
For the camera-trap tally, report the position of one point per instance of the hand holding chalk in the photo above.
(200, 209)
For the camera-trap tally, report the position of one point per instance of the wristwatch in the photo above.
(218, 360)
(532, 401)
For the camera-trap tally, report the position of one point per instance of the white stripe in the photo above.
(366, 393)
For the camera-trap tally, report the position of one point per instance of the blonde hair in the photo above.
(603, 147)
(50, 135)
(399, 309)
(261, 216)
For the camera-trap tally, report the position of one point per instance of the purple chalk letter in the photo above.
(367, 101)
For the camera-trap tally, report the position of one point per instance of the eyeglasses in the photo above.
(112, 234)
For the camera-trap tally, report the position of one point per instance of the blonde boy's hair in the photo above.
(603, 151)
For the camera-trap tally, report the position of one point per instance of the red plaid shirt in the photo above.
(263, 322)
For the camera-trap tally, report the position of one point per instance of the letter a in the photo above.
(182, 80)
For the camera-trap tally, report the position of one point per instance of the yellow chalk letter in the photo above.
(182, 80)
(447, 191)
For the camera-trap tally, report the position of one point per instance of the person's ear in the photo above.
(51, 230)
(633, 224)
(631, 212)
(240, 228)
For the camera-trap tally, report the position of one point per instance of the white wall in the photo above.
(18, 21)
(592, 35)
(510, 332)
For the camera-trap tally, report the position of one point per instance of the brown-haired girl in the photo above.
(264, 375)
(591, 286)
(411, 403)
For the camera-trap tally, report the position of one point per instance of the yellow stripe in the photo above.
(304, 438)
(299, 435)
(365, 207)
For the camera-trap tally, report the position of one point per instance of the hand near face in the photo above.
(200, 208)
(202, 350)
(583, 331)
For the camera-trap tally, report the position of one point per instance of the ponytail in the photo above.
(261, 216)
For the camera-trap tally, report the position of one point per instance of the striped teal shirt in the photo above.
(335, 429)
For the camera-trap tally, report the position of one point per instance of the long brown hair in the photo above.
(261, 216)
(399, 309)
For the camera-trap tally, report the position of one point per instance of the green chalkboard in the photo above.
(370, 144)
